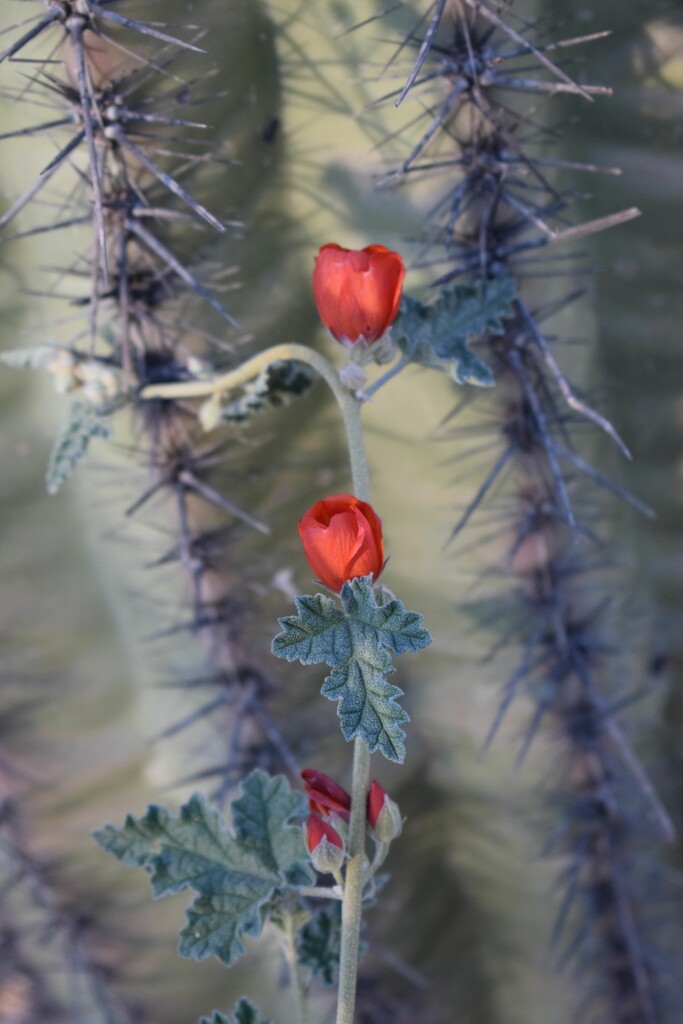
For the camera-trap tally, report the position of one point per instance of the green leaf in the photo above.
(355, 643)
(273, 387)
(437, 335)
(260, 817)
(83, 423)
(319, 944)
(234, 875)
(244, 1013)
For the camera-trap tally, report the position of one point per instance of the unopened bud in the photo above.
(352, 376)
(324, 845)
(384, 816)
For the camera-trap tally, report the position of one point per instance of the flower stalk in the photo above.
(350, 407)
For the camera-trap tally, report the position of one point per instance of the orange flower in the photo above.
(357, 291)
(342, 539)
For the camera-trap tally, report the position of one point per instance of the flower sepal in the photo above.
(325, 846)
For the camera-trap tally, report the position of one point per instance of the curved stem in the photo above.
(348, 403)
(350, 408)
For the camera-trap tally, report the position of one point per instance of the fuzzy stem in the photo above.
(353, 887)
(298, 990)
(322, 892)
(348, 403)
(350, 407)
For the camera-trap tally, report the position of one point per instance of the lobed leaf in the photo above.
(83, 423)
(234, 875)
(318, 944)
(437, 335)
(355, 643)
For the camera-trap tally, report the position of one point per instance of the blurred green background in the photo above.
(473, 903)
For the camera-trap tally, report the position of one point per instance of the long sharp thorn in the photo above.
(423, 51)
(544, 436)
(482, 492)
(170, 183)
(64, 153)
(594, 474)
(215, 498)
(87, 111)
(485, 12)
(20, 43)
(147, 30)
(155, 246)
(571, 399)
(34, 129)
(26, 198)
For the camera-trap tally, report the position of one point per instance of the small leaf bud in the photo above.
(352, 376)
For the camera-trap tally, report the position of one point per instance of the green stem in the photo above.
(298, 991)
(350, 408)
(353, 888)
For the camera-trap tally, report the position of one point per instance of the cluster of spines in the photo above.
(495, 210)
(129, 178)
(121, 118)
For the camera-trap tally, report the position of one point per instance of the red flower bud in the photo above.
(357, 291)
(376, 797)
(342, 539)
(324, 794)
(384, 817)
(324, 845)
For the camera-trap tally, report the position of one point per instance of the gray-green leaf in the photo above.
(437, 335)
(355, 643)
(319, 944)
(83, 423)
(234, 875)
(244, 1013)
